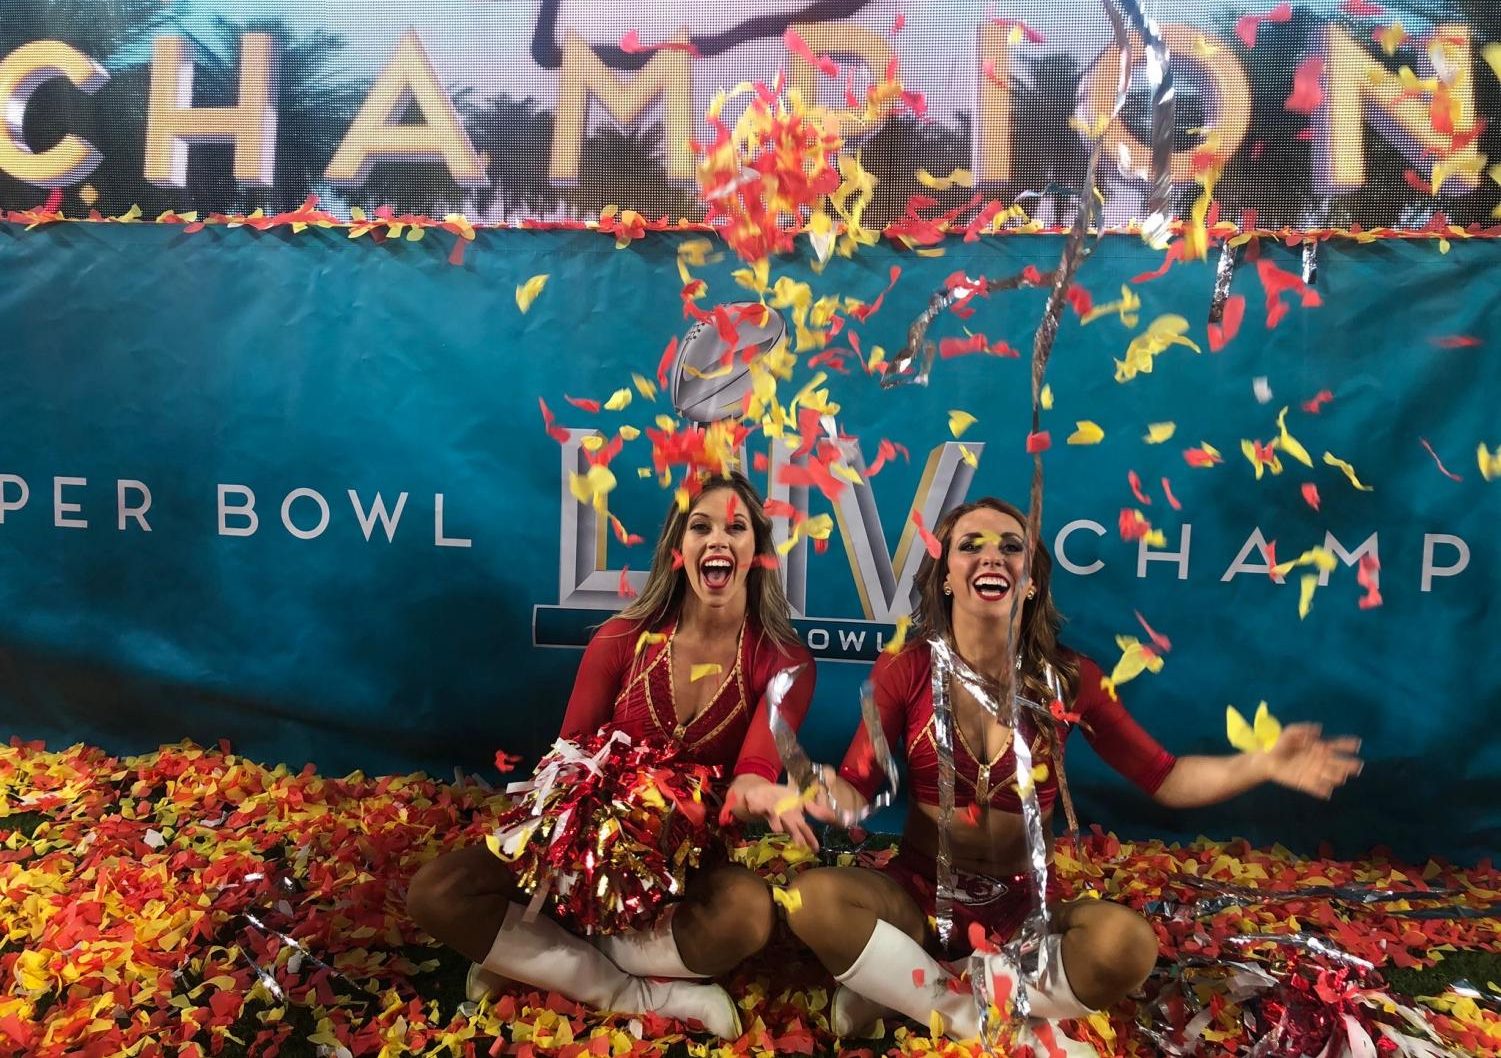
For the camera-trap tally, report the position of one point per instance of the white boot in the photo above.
(852, 1016)
(889, 969)
(481, 983)
(543, 954)
(648, 953)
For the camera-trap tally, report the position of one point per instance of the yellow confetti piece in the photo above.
(1135, 659)
(958, 178)
(899, 637)
(1288, 443)
(1320, 558)
(620, 399)
(1086, 433)
(1307, 586)
(1491, 53)
(1161, 333)
(1045, 398)
(1261, 459)
(1334, 461)
(593, 442)
(593, 486)
(959, 421)
(968, 456)
(645, 639)
(1256, 737)
(629, 433)
(698, 672)
(644, 386)
(1159, 432)
(790, 900)
(527, 292)
(1490, 465)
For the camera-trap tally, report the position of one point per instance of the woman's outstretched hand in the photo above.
(778, 805)
(1302, 759)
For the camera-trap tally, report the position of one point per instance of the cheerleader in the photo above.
(686, 665)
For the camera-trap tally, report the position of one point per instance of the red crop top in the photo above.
(631, 691)
(904, 698)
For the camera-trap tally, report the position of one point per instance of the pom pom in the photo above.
(607, 829)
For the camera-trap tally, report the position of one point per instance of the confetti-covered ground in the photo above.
(192, 902)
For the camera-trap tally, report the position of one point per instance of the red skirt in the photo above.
(996, 905)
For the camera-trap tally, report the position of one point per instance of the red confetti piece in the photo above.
(1308, 86)
(1247, 25)
(1158, 639)
(628, 539)
(668, 355)
(1032, 35)
(506, 762)
(1040, 441)
(625, 591)
(1311, 494)
(1079, 299)
(1456, 341)
(556, 432)
(1317, 401)
(1439, 462)
(929, 541)
(864, 312)
(583, 403)
(1174, 253)
(799, 47)
(1134, 480)
(1223, 333)
(919, 978)
(1167, 491)
(899, 23)
(630, 43)
(1416, 182)
(1133, 524)
(1199, 457)
(1368, 576)
(677, 559)
(1277, 282)
(1362, 9)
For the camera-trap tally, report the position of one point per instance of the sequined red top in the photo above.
(632, 691)
(903, 686)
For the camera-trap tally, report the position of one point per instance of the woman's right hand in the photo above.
(836, 801)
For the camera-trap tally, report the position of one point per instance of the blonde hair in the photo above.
(1041, 621)
(662, 598)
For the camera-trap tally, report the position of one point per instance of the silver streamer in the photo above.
(800, 770)
(1310, 262)
(1156, 228)
(1025, 950)
(809, 777)
(1228, 894)
(1224, 273)
(1306, 941)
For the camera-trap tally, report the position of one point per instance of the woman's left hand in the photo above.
(780, 805)
(1304, 760)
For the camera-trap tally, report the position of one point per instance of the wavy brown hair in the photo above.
(1041, 621)
(662, 598)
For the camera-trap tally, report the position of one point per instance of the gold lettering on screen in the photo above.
(22, 72)
(173, 124)
(376, 134)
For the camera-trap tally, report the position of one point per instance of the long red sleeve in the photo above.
(601, 675)
(897, 682)
(758, 753)
(1119, 740)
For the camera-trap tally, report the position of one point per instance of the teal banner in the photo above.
(295, 491)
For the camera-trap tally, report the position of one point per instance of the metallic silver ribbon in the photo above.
(1025, 950)
(1306, 941)
(1310, 262)
(1228, 894)
(1156, 227)
(809, 777)
(1224, 273)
